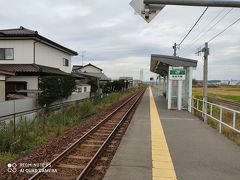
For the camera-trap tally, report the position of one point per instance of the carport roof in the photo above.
(160, 63)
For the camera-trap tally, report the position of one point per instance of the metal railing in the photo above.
(223, 115)
(16, 116)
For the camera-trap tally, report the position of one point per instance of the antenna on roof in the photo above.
(83, 54)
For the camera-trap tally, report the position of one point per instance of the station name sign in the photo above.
(177, 74)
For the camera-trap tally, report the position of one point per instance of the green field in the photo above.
(231, 93)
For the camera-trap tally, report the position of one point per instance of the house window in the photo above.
(13, 87)
(65, 62)
(85, 89)
(6, 54)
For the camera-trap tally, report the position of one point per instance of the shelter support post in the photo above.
(190, 76)
(169, 90)
(179, 96)
(159, 85)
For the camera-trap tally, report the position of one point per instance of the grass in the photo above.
(228, 93)
(231, 93)
(7, 157)
(32, 134)
(230, 97)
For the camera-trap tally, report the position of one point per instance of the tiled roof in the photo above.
(77, 75)
(18, 32)
(89, 64)
(23, 32)
(76, 67)
(101, 76)
(4, 72)
(31, 68)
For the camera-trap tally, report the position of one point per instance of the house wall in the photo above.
(2, 88)
(90, 69)
(88, 88)
(44, 54)
(16, 106)
(32, 81)
(23, 51)
(49, 56)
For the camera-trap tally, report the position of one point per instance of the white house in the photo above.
(29, 55)
(90, 70)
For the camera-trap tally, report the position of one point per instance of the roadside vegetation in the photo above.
(30, 134)
(231, 93)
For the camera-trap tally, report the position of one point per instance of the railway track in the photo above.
(87, 156)
(230, 104)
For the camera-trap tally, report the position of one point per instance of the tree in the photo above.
(194, 82)
(55, 88)
(93, 81)
(116, 85)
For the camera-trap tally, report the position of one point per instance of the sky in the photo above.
(120, 42)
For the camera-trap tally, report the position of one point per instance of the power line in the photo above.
(212, 20)
(209, 29)
(214, 37)
(202, 31)
(193, 26)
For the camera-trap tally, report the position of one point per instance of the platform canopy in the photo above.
(161, 63)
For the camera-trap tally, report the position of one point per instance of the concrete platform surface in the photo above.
(197, 151)
(133, 158)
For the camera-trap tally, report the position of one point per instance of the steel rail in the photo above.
(86, 170)
(80, 140)
(227, 102)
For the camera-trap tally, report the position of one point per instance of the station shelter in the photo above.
(175, 79)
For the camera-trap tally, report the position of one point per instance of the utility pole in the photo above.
(175, 49)
(205, 50)
(205, 79)
(82, 55)
(141, 75)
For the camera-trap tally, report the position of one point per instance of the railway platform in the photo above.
(169, 144)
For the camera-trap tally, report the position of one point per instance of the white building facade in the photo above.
(30, 55)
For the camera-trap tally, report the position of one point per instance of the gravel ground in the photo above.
(46, 152)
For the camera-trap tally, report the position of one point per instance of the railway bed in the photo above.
(89, 156)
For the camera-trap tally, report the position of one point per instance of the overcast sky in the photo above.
(121, 42)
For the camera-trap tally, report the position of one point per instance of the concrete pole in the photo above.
(175, 49)
(209, 3)
(205, 79)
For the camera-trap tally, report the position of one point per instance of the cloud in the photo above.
(121, 42)
(71, 11)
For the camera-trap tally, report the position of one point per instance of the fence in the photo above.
(13, 111)
(225, 116)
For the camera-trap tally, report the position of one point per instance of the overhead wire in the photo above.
(212, 20)
(193, 26)
(209, 29)
(214, 37)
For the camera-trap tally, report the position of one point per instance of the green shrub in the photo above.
(55, 88)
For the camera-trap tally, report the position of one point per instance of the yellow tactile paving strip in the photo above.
(162, 166)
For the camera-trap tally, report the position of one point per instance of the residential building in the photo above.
(90, 70)
(128, 81)
(30, 55)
